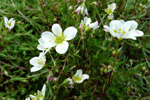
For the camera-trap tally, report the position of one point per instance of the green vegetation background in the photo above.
(131, 80)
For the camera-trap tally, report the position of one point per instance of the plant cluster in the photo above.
(74, 49)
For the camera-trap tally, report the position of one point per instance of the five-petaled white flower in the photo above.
(123, 30)
(83, 9)
(110, 9)
(58, 39)
(9, 23)
(86, 24)
(40, 95)
(38, 62)
(79, 77)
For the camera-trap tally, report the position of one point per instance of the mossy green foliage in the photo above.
(129, 79)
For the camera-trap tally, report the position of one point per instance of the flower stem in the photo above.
(109, 77)
(44, 12)
(4, 40)
(52, 59)
(80, 40)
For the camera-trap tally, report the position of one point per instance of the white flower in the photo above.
(123, 30)
(59, 38)
(41, 46)
(69, 80)
(143, 6)
(86, 24)
(40, 94)
(79, 77)
(9, 23)
(111, 17)
(27, 98)
(38, 62)
(110, 9)
(83, 9)
(95, 3)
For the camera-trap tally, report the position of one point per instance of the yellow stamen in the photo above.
(124, 32)
(119, 29)
(115, 31)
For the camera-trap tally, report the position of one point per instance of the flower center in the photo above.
(108, 11)
(59, 39)
(9, 24)
(40, 61)
(77, 78)
(39, 95)
(120, 31)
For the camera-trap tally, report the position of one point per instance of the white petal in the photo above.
(110, 30)
(10, 27)
(78, 9)
(33, 97)
(44, 89)
(49, 44)
(133, 34)
(86, 11)
(35, 68)
(57, 30)
(70, 33)
(5, 19)
(42, 55)
(13, 23)
(62, 48)
(134, 25)
(94, 25)
(48, 36)
(79, 81)
(41, 41)
(10, 20)
(34, 61)
(126, 26)
(85, 76)
(41, 98)
(70, 81)
(113, 6)
(40, 47)
(87, 21)
(139, 33)
(111, 16)
(27, 98)
(82, 10)
(115, 25)
(79, 73)
(122, 21)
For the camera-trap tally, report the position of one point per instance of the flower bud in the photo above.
(101, 69)
(113, 53)
(110, 67)
(55, 19)
(105, 70)
(143, 68)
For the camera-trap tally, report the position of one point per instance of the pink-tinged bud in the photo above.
(80, 26)
(0, 36)
(49, 78)
(95, 3)
(55, 79)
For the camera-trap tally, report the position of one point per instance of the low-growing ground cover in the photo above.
(74, 49)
